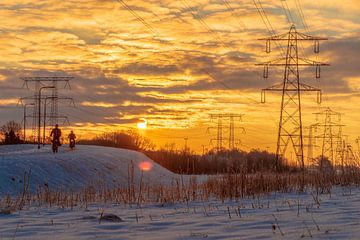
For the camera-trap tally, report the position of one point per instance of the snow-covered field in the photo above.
(74, 170)
(277, 216)
(281, 216)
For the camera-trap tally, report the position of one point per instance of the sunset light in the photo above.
(163, 119)
(142, 124)
(177, 62)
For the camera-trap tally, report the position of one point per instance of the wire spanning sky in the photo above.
(175, 62)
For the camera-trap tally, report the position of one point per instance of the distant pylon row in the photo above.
(45, 92)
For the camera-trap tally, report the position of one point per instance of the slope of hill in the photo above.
(73, 170)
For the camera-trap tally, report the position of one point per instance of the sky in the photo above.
(174, 63)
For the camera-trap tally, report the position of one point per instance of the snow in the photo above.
(334, 215)
(74, 170)
(288, 216)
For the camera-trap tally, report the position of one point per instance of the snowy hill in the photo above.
(73, 170)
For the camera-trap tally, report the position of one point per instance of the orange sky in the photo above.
(156, 67)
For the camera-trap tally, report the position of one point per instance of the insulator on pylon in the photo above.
(319, 97)
(263, 100)
(268, 46)
(318, 71)
(316, 46)
(266, 71)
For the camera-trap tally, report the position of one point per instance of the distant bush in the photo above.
(124, 139)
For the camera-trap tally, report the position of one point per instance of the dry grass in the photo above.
(219, 187)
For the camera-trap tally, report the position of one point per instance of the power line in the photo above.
(302, 16)
(291, 21)
(137, 16)
(229, 7)
(287, 12)
(267, 22)
(200, 19)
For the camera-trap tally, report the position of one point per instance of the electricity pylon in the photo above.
(311, 143)
(45, 82)
(220, 125)
(332, 137)
(290, 124)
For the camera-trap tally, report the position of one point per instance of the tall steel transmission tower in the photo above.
(332, 137)
(40, 101)
(220, 140)
(290, 124)
(311, 141)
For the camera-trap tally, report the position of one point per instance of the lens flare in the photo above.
(145, 166)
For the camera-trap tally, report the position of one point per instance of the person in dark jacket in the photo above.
(72, 138)
(56, 134)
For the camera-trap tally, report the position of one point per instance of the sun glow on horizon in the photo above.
(142, 124)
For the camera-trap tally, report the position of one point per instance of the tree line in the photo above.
(188, 162)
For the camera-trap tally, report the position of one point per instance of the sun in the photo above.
(142, 124)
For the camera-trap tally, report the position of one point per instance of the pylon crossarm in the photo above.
(328, 111)
(279, 37)
(312, 62)
(300, 37)
(305, 37)
(332, 124)
(272, 62)
(305, 87)
(276, 87)
(301, 62)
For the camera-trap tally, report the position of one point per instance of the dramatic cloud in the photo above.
(174, 62)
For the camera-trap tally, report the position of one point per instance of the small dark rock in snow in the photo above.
(110, 218)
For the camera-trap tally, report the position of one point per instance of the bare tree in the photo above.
(11, 132)
(141, 142)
